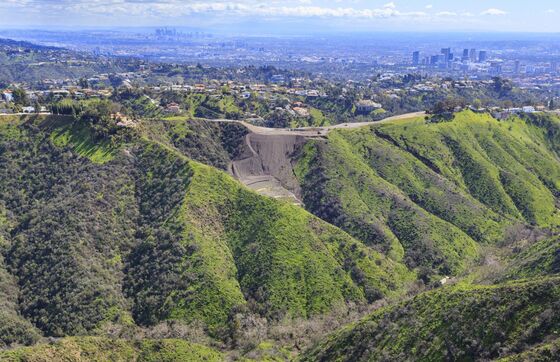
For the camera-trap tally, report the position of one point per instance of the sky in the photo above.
(288, 16)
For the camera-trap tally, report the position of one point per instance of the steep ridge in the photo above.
(14, 329)
(242, 248)
(455, 323)
(149, 235)
(538, 259)
(434, 189)
(541, 353)
(340, 188)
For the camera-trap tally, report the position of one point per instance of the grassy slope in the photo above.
(246, 247)
(212, 143)
(173, 239)
(341, 188)
(457, 323)
(79, 139)
(538, 259)
(474, 176)
(76, 349)
(506, 165)
(63, 133)
(543, 353)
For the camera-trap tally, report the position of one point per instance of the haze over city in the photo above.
(301, 16)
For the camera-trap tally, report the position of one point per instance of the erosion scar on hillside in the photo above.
(266, 167)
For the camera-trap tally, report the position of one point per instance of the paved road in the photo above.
(318, 131)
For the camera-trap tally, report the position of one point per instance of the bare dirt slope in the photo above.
(266, 164)
(266, 167)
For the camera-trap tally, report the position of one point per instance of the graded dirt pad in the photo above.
(266, 165)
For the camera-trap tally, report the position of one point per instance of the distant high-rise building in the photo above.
(482, 56)
(434, 59)
(416, 58)
(496, 68)
(446, 52)
(517, 67)
(553, 67)
(472, 55)
(465, 55)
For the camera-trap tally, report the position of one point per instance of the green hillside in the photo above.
(77, 349)
(148, 235)
(435, 190)
(125, 243)
(211, 143)
(542, 353)
(455, 323)
(537, 259)
(13, 327)
(284, 259)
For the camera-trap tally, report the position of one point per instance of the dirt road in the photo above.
(266, 164)
(318, 131)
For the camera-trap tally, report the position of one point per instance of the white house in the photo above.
(8, 96)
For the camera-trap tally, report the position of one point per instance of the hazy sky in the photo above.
(306, 15)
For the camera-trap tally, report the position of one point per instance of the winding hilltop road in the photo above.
(318, 131)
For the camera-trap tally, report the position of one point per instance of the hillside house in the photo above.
(302, 112)
(7, 95)
(173, 108)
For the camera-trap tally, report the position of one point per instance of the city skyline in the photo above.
(295, 16)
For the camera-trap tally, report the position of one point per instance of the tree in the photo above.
(443, 110)
(20, 97)
(83, 82)
(502, 86)
(477, 103)
(37, 106)
(447, 105)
